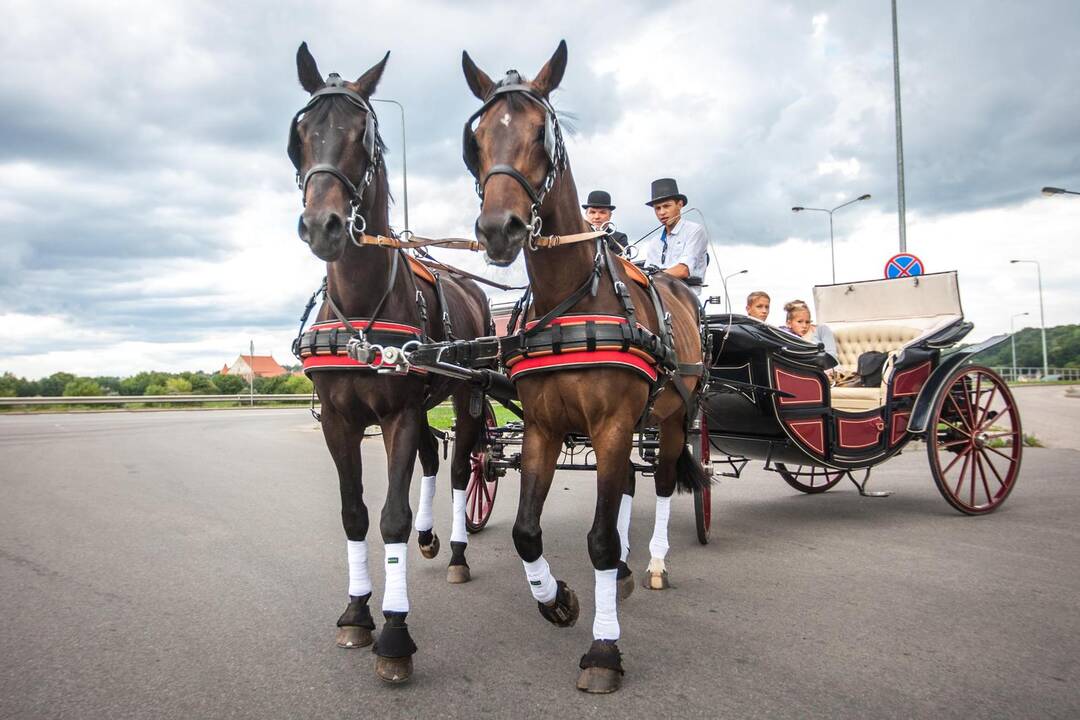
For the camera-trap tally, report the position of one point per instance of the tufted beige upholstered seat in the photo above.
(886, 316)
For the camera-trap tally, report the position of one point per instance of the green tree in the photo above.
(53, 386)
(270, 385)
(177, 386)
(230, 384)
(202, 384)
(155, 389)
(297, 384)
(82, 387)
(9, 385)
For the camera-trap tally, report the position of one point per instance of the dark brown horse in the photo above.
(335, 145)
(524, 179)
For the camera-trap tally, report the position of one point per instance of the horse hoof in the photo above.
(393, 670)
(565, 610)
(599, 681)
(655, 580)
(351, 637)
(626, 587)
(457, 574)
(430, 551)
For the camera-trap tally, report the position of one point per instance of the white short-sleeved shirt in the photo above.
(686, 244)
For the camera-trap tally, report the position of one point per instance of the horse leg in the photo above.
(601, 666)
(395, 647)
(343, 440)
(467, 435)
(557, 603)
(425, 518)
(672, 445)
(626, 575)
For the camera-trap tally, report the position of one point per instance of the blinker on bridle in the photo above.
(554, 148)
(335, 86)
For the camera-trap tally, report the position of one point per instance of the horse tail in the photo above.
(689, 473)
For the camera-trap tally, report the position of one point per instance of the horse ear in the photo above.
(310, 77)
(478, 80)
(366, 83)
(551, 74)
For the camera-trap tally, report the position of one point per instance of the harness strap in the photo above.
(417, 242)
(448, 328)
(433, 263)
(550, 241)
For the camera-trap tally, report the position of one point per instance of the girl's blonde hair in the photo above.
(795, 306)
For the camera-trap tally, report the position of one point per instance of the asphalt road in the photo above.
(192, 565)
(1048, 413)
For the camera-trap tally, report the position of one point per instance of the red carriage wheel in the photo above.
(700, 450)
(810, 478)
(974, 440)
(483, 480)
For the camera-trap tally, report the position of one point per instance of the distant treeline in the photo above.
(64, 384)
(1062, 349)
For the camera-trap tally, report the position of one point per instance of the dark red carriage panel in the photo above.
(898, 427)
(859, 433)
(810, 432)
(910, 381)
(807, 388)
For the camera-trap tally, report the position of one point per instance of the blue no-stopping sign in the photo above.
(903, 265)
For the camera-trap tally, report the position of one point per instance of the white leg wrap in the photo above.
(359, 580)
(459, 532)
(540, 580)
(425, 520)
(396, 593)
(624, 526)
(605, 624)
(658, 546)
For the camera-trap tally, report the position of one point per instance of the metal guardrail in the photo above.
(241, 399)
(1034, 374)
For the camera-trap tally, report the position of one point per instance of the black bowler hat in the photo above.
(599, 199)
(665, 188)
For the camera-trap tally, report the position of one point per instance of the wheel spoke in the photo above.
(998, 452)
(954, 460)
(963, 470)
(985, 414)
(959, 412)
(993, 469)
(982, 476)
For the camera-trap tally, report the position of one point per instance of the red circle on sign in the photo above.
(903, 270)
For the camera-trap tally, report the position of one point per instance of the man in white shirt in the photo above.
(681, 249)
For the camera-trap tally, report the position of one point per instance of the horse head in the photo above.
(335, 146)
(515, 152)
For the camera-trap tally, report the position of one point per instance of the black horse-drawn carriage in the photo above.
(770, 398)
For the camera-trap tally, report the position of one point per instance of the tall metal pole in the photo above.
(251, 373)
(832, 248)
(1042, 318)
(900, 203)
(1012, 338)
(404, 162)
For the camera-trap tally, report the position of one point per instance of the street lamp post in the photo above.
(1048, 191)
(832, 246)
(404, 163)
(1042, 316)
(728, 277)
(1012, 339)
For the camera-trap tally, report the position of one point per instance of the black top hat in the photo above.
(599, 199)
(665, 188)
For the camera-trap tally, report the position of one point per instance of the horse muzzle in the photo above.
(502, 235)
(325, 231)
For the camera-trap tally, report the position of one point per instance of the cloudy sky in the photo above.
(148, 211)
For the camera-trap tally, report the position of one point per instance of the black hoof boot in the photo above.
(429, 543)
(355, 624)
(625, 579)
(564, 611)
(458, 571)
(394, 650)
(601, 668)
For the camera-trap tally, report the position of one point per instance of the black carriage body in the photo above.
(770, 399)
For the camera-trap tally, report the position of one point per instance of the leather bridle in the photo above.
(554, 148)
(335, 87)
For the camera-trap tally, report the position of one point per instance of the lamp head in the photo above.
(797, 208)
(864, 197)
(1048, 191)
